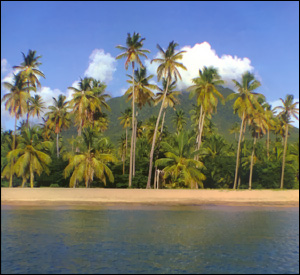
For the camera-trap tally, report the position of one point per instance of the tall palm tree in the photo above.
(168, 68)
(132, 53)
(179, 120)
(245, 103)
(30, 155)
(29, 68)
(29, 71)
(36, 106)
(288, 110)
(89, 164)
(206, 92)
(170, 100)
(16, 104)
(126, 122)
(143, 94)
(16, 99)
(259, 125)
(58, 117)
(87, 99)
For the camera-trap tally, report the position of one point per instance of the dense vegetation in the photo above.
(153, 136)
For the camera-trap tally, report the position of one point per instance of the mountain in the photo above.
(223, 119)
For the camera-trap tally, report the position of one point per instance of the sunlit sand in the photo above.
(40, 196)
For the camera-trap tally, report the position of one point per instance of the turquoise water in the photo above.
(148, 239)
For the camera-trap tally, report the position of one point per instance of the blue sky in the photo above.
(78, 39)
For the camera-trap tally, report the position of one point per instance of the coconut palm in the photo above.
(132, 53)
(29, 68)
(143, 95)
(259, 125)
(168, 68)
(245, 103)
(126, 122)
(16, 99)
(288, 110)
(205, 90)
(30, 155)
(84, 166)
(35, 107)
(179, 164)
(179, 120)
(171, 97)
(86, 100)
(58, 117)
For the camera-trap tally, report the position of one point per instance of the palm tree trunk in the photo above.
(283, 157)
(123, 159)
(163, 121)
(201, 130)
(251, 165)
(57, 148)
(268, 143)
(126, 145)
(134, 145)
(31, 174)
(132, 132)
(154, 136)
(23, 181)
(240, 161)
(238, 153)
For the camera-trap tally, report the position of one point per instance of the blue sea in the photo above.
(149, 239)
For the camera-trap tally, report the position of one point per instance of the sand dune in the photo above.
(38, 196)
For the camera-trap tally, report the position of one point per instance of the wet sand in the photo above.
(96, 196)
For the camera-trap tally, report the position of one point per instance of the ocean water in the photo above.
(149, 239)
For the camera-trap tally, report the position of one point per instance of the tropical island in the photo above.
(155, 136)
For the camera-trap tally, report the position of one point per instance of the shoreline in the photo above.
(164, 197)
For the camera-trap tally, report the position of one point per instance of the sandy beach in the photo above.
(61, 196)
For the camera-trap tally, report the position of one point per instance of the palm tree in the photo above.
(168, 68)
(132, 53)
(89, 164)
(289, 109)
(171, 98)
(143, 95)
(126, 122)
(244, 104)
(16, 99)
(29, 71)
(179, 120)
(179, 163)
(259, 125)
(58, 117)
(30, 155)
(36, 106)
(87, 99)
(206, 92)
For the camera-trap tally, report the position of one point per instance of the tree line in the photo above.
(153, 157)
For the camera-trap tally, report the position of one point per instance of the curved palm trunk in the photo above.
(132, 133)
(23, 181)
(251, 165)
(283, 157)
(238, 153)
(154, 136)
(201, 130)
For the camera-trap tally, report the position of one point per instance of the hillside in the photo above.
(223, 119)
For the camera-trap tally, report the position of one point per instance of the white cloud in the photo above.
(4, 65)
(278, 102)
(230, 67)
(101, 66)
